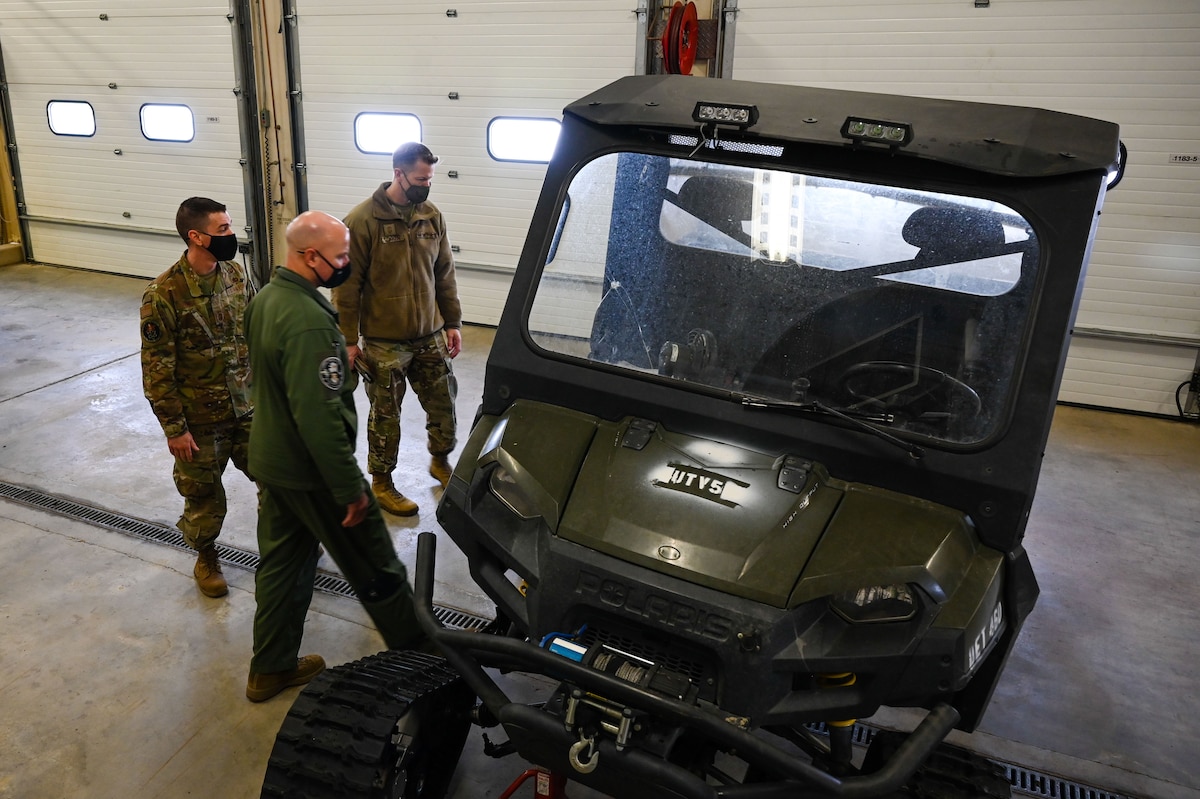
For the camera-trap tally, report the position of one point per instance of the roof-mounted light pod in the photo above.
(875, 131)
(739, 116)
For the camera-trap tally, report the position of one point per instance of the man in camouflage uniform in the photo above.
(402, 298)
(196, 373)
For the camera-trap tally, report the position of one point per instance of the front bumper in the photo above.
(629, 771)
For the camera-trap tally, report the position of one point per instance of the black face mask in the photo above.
(416, 194)
(223, 248)
(340, 273)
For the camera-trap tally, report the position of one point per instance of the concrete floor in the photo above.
(119, 679)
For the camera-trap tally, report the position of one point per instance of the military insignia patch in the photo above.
(389, 234)
(331, 373)
(151, 331)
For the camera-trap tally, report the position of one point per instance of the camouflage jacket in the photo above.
(195, 362)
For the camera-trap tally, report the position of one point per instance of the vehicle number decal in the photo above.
(986, 637)
(700, 483)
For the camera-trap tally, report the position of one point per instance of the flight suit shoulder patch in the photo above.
(331, 373)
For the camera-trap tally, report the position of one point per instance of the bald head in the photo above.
(316, 243)
(312, 228)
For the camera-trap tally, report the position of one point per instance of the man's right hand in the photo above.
(182, 446)
(356, 511)
(353, 351)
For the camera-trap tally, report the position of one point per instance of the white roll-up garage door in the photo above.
(107, 201)
(455, 66)
(1136, 64)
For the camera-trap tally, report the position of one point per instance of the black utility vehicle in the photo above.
(759, 437)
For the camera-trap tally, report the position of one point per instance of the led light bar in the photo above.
(742, 116)
(894, 134)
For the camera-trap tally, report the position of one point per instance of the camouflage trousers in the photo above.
(425, 363)
(199, 481)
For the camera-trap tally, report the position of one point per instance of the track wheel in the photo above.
(390, 725)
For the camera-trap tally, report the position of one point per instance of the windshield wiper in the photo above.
(867, 424)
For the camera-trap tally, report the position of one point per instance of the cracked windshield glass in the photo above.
(903, 308)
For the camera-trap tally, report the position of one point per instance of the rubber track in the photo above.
(332, 741)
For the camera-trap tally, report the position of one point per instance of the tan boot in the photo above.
(389, 498)
(439, 469)
(208, 573)
(260, 687)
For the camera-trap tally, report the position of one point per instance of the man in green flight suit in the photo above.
(302, 453)
(195, 373)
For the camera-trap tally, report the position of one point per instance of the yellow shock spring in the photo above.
(838, 680)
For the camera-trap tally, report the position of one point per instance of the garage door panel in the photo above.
(84, 178)
(132, 189)
(1126, 375)
(482, 294)
(1149, 283)
(119, 251)
(74, 40)
(88, 201)
(117, 113)
(118, 121)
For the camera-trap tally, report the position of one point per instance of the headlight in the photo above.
(876, 603)
(505, 487)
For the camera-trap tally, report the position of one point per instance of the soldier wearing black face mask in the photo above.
(195, 373)
(402, 300)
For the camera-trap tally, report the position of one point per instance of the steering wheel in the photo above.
(688, 361)
(917, 383)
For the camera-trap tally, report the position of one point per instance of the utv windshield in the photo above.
(905, 308)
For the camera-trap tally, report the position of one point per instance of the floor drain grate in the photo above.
(1024, 782)
(231, 556)
(1034, 783)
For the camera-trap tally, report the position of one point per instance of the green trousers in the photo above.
(290, 525)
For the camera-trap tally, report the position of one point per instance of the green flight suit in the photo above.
(302, 452)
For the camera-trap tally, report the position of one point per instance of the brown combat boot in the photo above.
(208, 573)
(261, 687)
(389, 498)
(439, 469)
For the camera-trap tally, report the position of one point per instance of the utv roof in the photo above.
(997, 139)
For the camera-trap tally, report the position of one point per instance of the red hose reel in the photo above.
(681, 39)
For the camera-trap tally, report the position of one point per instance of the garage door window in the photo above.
(71, 118)
(522, 139)
(168, 122)
(383, 133)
